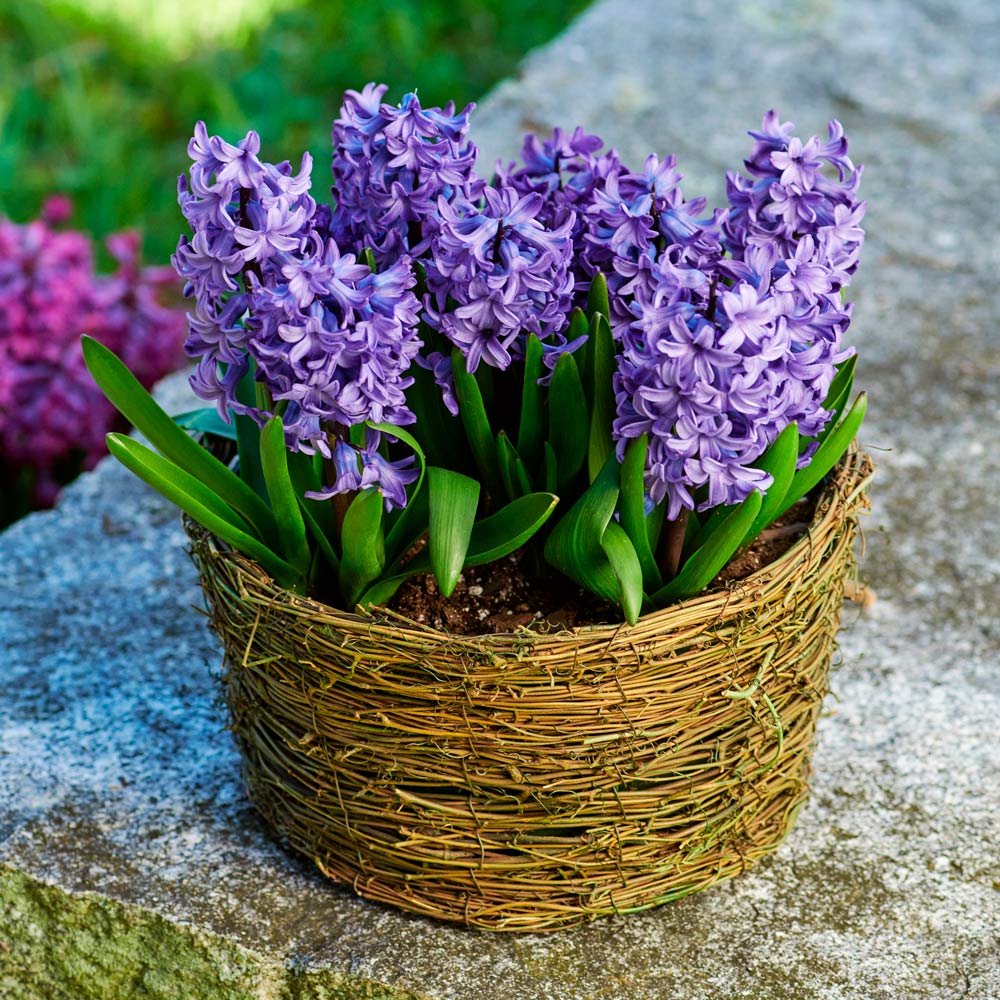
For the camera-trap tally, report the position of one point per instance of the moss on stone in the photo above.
(57, 945)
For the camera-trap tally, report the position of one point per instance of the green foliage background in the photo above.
(93, 106)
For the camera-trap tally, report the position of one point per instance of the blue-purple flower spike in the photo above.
(392, 165)
(725, 352)
(498, 274)
(330, 341)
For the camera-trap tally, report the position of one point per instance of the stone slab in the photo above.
(132, 864)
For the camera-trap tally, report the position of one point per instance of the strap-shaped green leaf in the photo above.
(654, 525)
(306, 473)
(579, 326)
(568, 421)
(362, 546)
(412, 522)
(828, 453)
(477, 425)
(574, 547)
(284, 501)
(713, 520)
(248, 434)
(779, 462)
(702, 568)
(320, 537)
(507, 459)
(442, 434)
(625, 563)
(839, 394)
(382, 591)
(529, 430)
(199, 502)
(521, 478)
(513, 471)
(597, 297)
(774, 461)
(492, 538)
(509, 528)
(453, 501)
(135, 404)
(632, 510)
(551, 474)
(207, 421)
(602, 395)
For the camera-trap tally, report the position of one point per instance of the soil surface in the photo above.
(509, 594)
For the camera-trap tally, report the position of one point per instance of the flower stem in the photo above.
(671, 545)
(340, 501)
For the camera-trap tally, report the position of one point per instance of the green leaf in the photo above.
(477, 425)
(551, 468)
(827, 455)
(507, 458)
(368, 257)
(412, 521)
(840, 392)
(771, 461)
(568, 423)
(509, 528)
(654, 525)
(320, 536)
(521, 478)
(442, 434)
(492, 538)
(135, 404)
(513, 471)
(284, 501)
(200, 503)
(381, 592)
(306, 473)
(597, 297)
(622, 555)
(362, 545)
(703, 567)
(579, 326)
(529, 430)
(574, 547)
(206, 421)
(453, 501)
(248, 435)
(778, 461)
(600, 443)
(632, 510)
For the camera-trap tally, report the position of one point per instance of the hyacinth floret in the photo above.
(635, 219)
(328, 339)
(790, 194)
(356, 468)
(499, 274)
(392, 165)
(727, 351)
(565, 170)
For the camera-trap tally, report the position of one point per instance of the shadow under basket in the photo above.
(530, 781)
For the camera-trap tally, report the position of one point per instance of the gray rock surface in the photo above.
(132, 865)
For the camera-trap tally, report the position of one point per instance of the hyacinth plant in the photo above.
(432, 371)
(53, 419)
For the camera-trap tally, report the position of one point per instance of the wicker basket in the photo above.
(530, 781)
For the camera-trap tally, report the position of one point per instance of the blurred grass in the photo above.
(98, 99)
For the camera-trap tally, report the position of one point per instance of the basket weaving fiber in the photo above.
(530, 781)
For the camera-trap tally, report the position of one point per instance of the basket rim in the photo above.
(843, 491)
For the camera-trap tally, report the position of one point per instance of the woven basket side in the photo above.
(530, 781)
